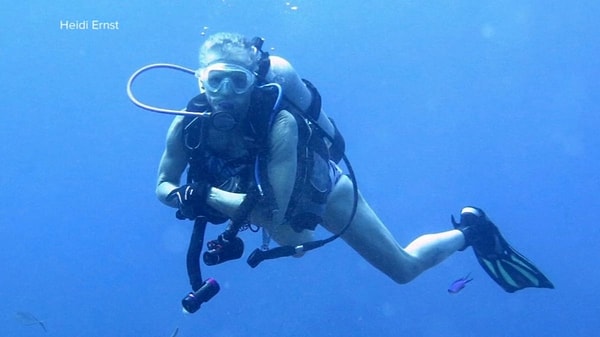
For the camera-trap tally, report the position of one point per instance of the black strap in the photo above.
(314, 110)
(264, 63)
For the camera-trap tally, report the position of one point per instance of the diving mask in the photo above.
(215, 76)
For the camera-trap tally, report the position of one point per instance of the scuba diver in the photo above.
(261, 153)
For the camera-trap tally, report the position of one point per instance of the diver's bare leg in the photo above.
(373, 241)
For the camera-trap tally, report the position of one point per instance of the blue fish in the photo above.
(459, 284)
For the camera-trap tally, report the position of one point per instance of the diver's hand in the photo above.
(191, 201)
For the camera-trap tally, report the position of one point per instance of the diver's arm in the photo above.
(282, 163)
(281, 170)
(172, 163)
(224, 201)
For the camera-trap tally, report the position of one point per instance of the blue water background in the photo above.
(487, 103)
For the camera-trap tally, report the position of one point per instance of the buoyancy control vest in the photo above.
(314, 151)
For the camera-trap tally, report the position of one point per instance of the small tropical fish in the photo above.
(27, 318)
(459, 284)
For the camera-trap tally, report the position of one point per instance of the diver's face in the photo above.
(228, 87)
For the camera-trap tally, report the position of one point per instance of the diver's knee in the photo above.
(405, 273)
(402, 278)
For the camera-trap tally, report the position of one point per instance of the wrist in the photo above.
(164, 193)
(223, 201)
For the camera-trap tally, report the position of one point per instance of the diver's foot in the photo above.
(479, 231)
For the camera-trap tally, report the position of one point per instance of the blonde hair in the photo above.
(230, 47)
